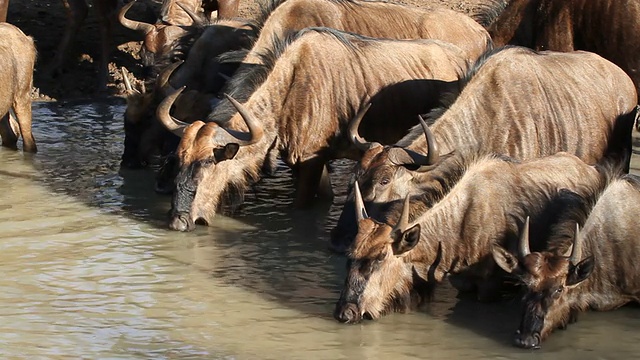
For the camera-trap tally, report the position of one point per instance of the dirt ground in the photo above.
(45, 21)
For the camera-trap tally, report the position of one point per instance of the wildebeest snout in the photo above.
(527, 341)
(182, 222)
(347, 313)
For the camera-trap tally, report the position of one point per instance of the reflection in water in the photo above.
(90, 271)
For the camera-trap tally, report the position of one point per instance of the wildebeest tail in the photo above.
(619, 146)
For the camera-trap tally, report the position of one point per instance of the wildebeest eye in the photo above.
(384, 181)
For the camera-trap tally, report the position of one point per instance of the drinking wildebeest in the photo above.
(199, 72)
(342, 71)
(606, 27)
(448, 233)
(17, 59)
(597, 270)
(515, 101)
(380, 19)
(175, 26)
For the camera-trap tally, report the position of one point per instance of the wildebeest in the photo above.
(319, 80)
(606, 27)
(200, 72)
(146, 140)
(17, 59)
(598, 270)
(449, 232)
(380, 19)
(515, 101)
(174, 27)
(377, 19)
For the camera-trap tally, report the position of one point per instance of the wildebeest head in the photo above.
(382, 276)
(385, 174)
(210, 161)
(549, 278)
(159, 38)
(146, 139)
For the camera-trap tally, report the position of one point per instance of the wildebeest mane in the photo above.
(245, 81)
(447, 174)
(488, 12)
(570, 207)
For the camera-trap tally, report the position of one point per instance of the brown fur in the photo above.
(606, 27)
(486, 206)
(517, 102)
(310, 130)
(378, 19)
(609, 240)
(17, 59)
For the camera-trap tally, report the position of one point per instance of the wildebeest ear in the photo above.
(506, 260)
(407, 240)
(580, 271)
(226, 153)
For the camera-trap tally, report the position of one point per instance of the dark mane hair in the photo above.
(570, 208)
(486, 13)
(248, 78)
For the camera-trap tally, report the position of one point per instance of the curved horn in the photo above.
(361, 212)
(255, 128)
(163, 114)
(403, 222)
(433, 153)
(356, 139)
(576, 251)
(197, 21)
(132, 24)
(162, 82)
(523, 245)
(127, 82)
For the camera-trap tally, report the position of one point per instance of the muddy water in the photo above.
(89, 271)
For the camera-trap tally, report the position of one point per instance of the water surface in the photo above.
(91, 272)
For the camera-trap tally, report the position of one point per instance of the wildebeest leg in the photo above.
(309, 174)
(9, 136)
(228, 9)
(325, 191)
(22, 109)
(4, 7)
(106, 14)
(76, 13)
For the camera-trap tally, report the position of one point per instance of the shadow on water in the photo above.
(80, 146)
(268, 249)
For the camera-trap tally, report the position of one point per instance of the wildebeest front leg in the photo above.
(22, 109)
(9, 137)
(106, 14)
(309, 176)
(4, 7)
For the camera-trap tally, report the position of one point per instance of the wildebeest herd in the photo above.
(491, 149)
